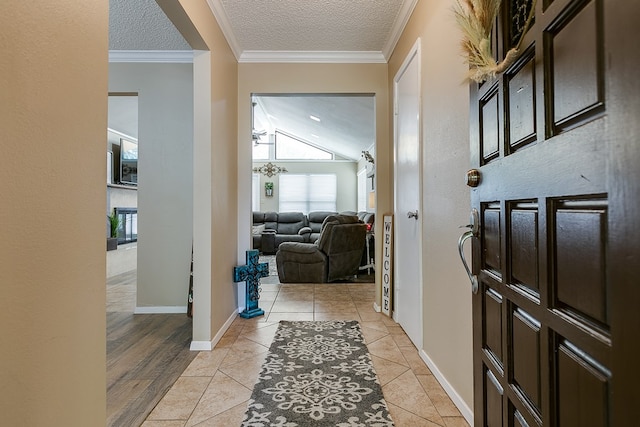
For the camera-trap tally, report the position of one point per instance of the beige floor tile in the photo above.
(294, 296)
(337, 316)
(402, 418)
(226, 341)
(387, 371)
(256, 323)
(181, 399)
(243, 349)
(438, 396)
(232, 417)
(330, 296)
(334, 307)
(297, 287)
(371, 335)
(395, 329)
(387, 349)
(276, 317)
(206, 363)
(407, 393)
(371, 316)
(268, 296)
(377, 325)
(263, 335)
(415, 362)
(172, 423)
(222, 394)
(364, 296)
(403, 341)
(245, 372)
(292, 306)
(455, 422)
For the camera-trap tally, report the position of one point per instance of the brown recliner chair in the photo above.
(335, 255)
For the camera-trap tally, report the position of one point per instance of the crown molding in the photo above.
(398, 26)
(312, 56)
(162, 56)
(225, 26)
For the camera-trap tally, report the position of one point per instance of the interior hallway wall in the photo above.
(314, 78)
(215, 163)
(53, 119)
(165, 179)
(346, 191)
(447, 327)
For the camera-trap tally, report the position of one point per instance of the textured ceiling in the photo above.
(283, 30)
(142, 25)
(312, 25)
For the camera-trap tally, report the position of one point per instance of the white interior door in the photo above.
(407, 164)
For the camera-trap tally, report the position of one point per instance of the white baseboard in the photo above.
(462, 406)
(201, 346)
(376, 307)
(178, 309)
(209, 345)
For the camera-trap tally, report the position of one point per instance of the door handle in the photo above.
(473, 232)
(413, 215)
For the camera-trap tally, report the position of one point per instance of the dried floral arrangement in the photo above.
(475, 19)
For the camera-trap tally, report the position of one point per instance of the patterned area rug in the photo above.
(317, 373)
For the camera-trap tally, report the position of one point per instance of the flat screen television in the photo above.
(128, 162)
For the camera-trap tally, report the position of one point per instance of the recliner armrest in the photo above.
(304, 230)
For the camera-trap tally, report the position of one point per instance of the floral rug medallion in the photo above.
(317, 373)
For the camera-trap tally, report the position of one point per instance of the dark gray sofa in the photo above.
(270, 229)
(273, 228)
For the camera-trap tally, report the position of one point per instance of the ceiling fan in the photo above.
(257, 134)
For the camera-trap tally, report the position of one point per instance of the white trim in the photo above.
(124, 135)
(176, 309)
(210, 345)
(398, 27)
(376, 307)
(332, 57)
(201, 346)
(160, 56)
(221, 16)
(462, 406)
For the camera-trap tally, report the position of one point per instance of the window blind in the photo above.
(307, 192)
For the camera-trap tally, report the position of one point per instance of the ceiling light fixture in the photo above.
(312, 117)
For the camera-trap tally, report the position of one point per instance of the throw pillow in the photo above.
(258, 229)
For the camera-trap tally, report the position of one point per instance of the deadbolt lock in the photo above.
(473, 178)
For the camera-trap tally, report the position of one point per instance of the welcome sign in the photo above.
(387, 234)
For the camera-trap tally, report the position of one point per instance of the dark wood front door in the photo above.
(555, 138)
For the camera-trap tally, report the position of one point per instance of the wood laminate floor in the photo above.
(146, 353)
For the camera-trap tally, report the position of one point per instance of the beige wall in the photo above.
(165, 179)
(53, 117)
(313, 78)
(215, 184)
(447, 330)
(346, 196)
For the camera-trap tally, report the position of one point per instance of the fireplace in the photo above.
(128, 230)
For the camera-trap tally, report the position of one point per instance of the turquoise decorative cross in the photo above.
(251, 274)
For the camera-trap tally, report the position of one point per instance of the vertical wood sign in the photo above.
(387, 233)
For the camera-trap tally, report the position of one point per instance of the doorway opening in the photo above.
(313, 154)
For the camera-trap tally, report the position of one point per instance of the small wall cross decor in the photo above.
(251, 274)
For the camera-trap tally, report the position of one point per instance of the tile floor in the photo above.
(215, 388)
